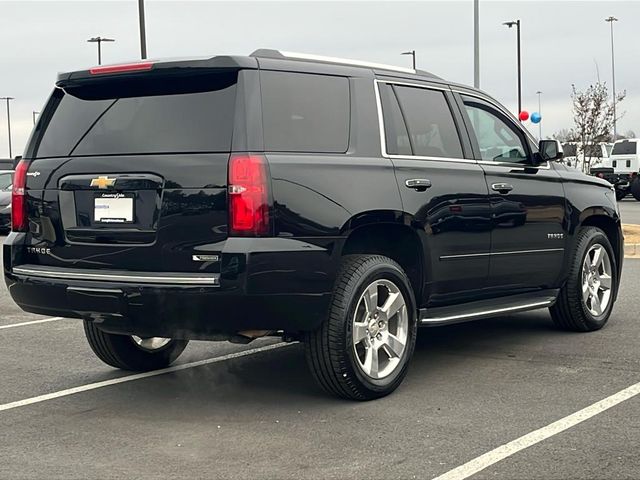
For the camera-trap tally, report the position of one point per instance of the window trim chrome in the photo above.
(381, 131)
(383, 139)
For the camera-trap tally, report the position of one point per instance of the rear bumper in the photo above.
(265, 284)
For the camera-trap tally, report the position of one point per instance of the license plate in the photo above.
(113, 208)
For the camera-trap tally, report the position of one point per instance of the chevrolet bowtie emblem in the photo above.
(103, 182)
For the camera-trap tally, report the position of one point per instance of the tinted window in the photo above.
(158, 116)
(396, 135)
(593, 151)
(432, 131)
(498, 139)
(624, 148)
(6, 179)
(569, 149)
(305, 113)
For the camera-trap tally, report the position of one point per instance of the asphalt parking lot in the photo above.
(630, 210)
(471, 388)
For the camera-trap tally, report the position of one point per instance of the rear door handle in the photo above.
(501, 187)
(419, 184)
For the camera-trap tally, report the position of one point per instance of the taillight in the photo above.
(19, 221)
(125, 67)
(248, 195)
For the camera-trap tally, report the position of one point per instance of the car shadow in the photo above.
(281, 378)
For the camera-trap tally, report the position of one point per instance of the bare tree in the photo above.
(564, 135)
(593, 120)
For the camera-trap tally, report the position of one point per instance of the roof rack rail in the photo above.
(269, 53)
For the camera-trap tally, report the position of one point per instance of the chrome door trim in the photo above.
(481, 313)
(383, 140)
(134, 277)
(492, 254)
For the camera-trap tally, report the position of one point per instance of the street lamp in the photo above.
(540, 112)
(34, 113)
(516, 23)
(143, 34)
(413, 55)
(612, 19)
(8, 99)
(99, 41)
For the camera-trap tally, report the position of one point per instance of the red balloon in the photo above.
(524, 115)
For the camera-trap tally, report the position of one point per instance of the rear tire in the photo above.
(362, 350)
(129, 353)
(620, 194)
(586, 300)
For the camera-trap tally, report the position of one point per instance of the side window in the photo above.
(498, 139)
(395, 130)
(305, 113)
(432, 130)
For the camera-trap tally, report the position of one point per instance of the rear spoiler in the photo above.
(151, 67)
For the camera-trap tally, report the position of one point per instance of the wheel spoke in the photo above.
(393, 304)
(585, 289)
(595, 304)
(370, 297)
(605, 282)
(370, 365)
(597, 257)
(394, 346)
(359, 332)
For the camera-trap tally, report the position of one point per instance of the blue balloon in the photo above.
(536, 117)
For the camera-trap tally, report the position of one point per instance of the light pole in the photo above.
(143, 33)
(476, 43)
(99, 41)
(517, 25)
(413, 56)
(539, 93)
(34, 114)
(612, 19)
(8, 99)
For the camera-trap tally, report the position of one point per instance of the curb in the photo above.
(632, 250)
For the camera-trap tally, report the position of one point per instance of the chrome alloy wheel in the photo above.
(380, 329)
(150, 343)
(596, 280)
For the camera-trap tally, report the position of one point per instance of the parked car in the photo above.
(338, 203)
(625, 166)
(6, 180)
(596, 154)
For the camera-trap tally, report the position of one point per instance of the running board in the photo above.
(433, 317)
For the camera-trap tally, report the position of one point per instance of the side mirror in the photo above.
(550, 150)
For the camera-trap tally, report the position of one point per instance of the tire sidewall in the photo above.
(598, 237)
(386, 271)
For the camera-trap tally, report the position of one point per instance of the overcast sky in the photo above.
(563, 42)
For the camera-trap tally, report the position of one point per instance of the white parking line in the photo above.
(494, 456)
(32, 322)
(137, 376)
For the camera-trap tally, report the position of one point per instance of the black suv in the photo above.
(336, 202)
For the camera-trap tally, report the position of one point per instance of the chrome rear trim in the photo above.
(133, 277)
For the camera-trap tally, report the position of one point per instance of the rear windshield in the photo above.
(593, 151)
(624, 148)
(158, 115)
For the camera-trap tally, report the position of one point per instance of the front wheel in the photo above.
(585, 302)
(362, 350)
(130, 352)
